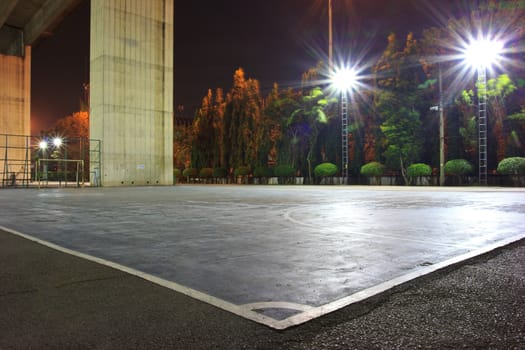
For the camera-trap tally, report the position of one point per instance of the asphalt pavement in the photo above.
(52, 300)
(374, 262)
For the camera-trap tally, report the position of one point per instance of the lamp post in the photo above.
(330, 37)
(439, 108)
(42, 145)
(344, 80)
(481, 54)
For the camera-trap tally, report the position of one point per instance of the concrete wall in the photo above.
(15, 111)
(131, 87)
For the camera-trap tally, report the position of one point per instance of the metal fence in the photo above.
(27, 161)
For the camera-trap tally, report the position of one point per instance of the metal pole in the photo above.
(441, 132)
(330, 37)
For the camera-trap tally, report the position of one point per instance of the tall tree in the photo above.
(398, 76)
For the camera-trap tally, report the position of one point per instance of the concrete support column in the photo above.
(15, 93)
(131, 90)
(15, 111)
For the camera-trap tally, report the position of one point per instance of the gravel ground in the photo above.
(50, 300)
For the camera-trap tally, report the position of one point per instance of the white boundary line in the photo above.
(245, 310)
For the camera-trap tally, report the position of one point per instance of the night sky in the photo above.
(272, 40)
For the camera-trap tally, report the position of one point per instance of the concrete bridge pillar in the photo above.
(15, 93)
(15, 112)
(131, 91)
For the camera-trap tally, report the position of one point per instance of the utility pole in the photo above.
(441, 132)
(330, 38)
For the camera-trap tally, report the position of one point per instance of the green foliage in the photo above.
(325, 170)
(284, 170)
(373, 169)
(220, 172)
(242, 171)
(520, 116)
(262, 171)
(512, 166)
(190, 172)
(500, 87)
(458, 167)
(177, 172)
(419, 169)
(206, 173)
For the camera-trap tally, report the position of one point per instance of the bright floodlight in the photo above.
(344, 79)
(482, 53)
(42, 144)
(57, 142)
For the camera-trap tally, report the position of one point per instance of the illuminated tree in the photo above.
(399, 74)
(75, 125)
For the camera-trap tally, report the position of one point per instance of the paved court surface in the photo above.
(276, 255)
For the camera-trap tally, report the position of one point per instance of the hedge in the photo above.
(242, 171)
(512, 166)
(325, 170)
(206, 173)
(284, 170)
(419, 169)
(458, 167)
(263, 171)
(373, 169)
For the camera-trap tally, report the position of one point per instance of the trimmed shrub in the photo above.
(419, 169)
(206, 173)
(284, 170)
(262, 171)
(242, 171)
(220, 172)
(190, 172)
(512, 166)
(176, 173)
(325, 170)
(458, 167)
(373, 169)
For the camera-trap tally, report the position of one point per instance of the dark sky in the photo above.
(272, 40)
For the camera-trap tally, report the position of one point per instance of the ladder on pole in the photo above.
(344, 137)
(482, 126)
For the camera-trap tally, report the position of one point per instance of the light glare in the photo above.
(482, 53)
(57, 142)
(42, 144)
(344, 79)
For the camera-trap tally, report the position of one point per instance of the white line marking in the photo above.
(287, 216)
(277, 305)
(243, 311)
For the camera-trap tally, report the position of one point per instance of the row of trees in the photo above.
(392, 121)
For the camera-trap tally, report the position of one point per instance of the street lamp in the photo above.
(344, 80)
(481, 54)
(57, 142)
(42, 145)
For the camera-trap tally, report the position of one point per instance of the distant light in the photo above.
(483, 52)
(57, 142)
(42, 144)
(344, 79)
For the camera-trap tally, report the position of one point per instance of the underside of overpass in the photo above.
(131, 81)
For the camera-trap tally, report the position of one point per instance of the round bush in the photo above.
(512, 166)
(242, 171)
(458, 167)
(419, 169)
(325, 170)
(177, 172)
(262, 171)
(190, 172)
(206, 173)
(220, 172)
(373, 169)
(284, 170)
